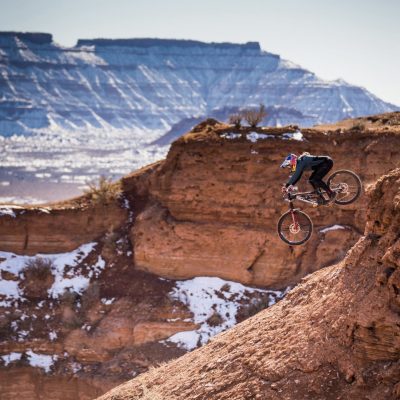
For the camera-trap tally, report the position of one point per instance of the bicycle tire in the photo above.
(357, 181)
(283, 218)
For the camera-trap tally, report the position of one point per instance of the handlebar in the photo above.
(290, 193)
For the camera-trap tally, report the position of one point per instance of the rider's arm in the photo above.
(297, 174)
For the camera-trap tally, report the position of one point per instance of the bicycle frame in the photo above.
(313, 196)
(302, 197)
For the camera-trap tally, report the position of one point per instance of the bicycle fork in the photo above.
(293, 214)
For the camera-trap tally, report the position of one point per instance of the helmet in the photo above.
(290, 161)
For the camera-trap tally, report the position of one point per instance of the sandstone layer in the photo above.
(57, 228)
(211, 209)
(335, 336)
(214, 203)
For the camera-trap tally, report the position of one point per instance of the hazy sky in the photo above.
(357, 40)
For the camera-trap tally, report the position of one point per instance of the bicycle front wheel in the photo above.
(295, 227)
(347, 185)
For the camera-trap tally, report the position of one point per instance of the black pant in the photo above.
(319, 171)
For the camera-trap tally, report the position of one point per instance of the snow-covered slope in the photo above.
(152, 84)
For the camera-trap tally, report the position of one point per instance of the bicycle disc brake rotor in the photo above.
(294, 228)
(344, 188)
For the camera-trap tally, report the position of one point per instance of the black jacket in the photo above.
(305, 163)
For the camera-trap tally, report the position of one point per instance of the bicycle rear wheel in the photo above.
(347, 185)
(295, 229)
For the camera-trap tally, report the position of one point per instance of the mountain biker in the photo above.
(320, 165)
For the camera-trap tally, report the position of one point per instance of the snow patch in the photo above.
(73, 280)
(108, 302)
(293, 136)
(68, 274)
(9, 358)
(207, 296)
(43, 361)
(254, 136)
(76, 367)
(7, 211)
(231, 135)
(332, 228)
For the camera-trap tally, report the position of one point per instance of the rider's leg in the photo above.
(321, 199)
(314, 182)
(319, 172)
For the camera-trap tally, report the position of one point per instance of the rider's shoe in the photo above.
(331, 199)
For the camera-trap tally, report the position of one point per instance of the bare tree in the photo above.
(254, 116)
(236, 119)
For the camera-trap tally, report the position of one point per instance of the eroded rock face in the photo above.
(27, 384)
(210, 209)
(215, 203)
(57, 229)
(335, 336)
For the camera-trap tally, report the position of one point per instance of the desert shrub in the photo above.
(226, 287)
(215, 319)
(357, 126)
(91, 296)
(110, 240)
(253, 308)
(73, 321)
(6, 330)
(38, 268)
(236, 119)
(103, 192)
(68, 298)
(38, 277)
(70, 316)
(254, 116)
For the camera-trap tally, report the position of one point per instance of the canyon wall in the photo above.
(57, 229)
(111, 308)
(215, 202)
(335, 336)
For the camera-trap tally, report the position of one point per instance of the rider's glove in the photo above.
(290, 188)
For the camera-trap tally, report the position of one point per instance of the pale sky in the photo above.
(356, 40)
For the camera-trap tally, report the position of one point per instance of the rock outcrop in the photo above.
(335, 336)
(108, 307)
(57, 229)
(215, 201)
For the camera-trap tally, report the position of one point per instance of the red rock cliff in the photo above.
(335, 336)
(210, 208)
(214, 203)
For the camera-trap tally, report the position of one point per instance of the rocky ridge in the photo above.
(153, 84)
(213, 202)
(335, 336)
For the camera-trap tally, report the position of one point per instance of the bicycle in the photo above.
(295, 227)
